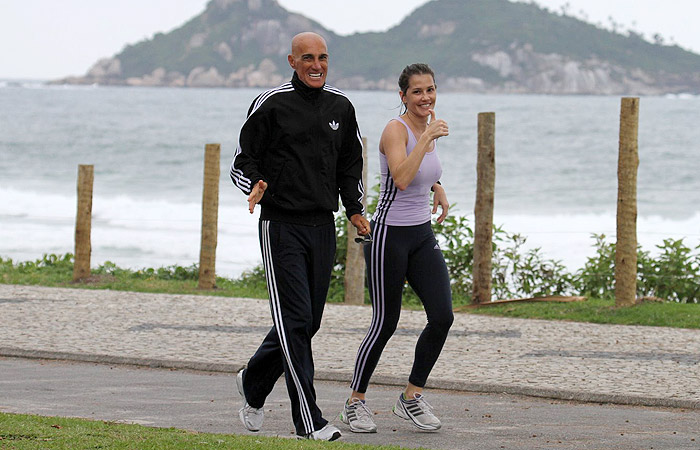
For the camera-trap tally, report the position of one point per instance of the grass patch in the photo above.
(21, 431)
(57, 271)
(595, 310)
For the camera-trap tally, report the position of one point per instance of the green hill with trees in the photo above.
(473, 45)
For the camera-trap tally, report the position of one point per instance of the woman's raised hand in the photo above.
(436, 127)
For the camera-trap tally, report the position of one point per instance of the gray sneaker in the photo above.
(327, 433)
(418, 411)
(252, 418)
(358, 416)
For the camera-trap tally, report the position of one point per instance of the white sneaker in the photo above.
(358, 416)
(252, 418)
(418, 411)
(327, 433)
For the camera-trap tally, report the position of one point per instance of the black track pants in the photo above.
(397, 254)
(298, 260)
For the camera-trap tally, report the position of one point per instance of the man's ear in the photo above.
(290, 58)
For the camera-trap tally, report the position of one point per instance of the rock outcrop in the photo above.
(244, 43)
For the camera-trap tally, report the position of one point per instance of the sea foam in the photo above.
(137, 233)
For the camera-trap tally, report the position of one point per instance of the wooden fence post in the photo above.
(210, 217)
(483, 208)
(83, 223)
(354, 259)
(626, 247)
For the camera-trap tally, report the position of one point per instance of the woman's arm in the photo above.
(403, 168)
(440, 199)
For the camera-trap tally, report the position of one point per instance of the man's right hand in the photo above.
(256, 195)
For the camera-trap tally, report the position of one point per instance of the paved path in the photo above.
(604, 363)
(208, 402)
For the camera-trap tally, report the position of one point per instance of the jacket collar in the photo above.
(305, 91)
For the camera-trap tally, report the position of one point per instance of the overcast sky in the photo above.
(46, 39)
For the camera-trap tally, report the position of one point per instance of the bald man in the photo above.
(299, 150)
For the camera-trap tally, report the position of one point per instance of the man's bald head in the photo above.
(305, 38)
(309, 58)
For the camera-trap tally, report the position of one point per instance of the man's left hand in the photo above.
(361, 224)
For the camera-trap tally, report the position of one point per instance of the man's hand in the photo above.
(256, 195)
(361, 224)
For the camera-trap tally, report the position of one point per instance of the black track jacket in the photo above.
(305, 143)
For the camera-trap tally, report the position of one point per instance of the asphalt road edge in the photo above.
(344, 376)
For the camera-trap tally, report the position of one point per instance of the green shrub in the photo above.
(673, 275)
(597, 277)
(251, 283)
(529, 274)
(173, 272)
(57, 265)
(514, 274)
(456, 240)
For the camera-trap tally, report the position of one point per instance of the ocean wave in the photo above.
(25, 84)
(44, 84)
(556, 164)
(128, 231)
(682, 96)
(137, 233)
(570, 238)
(74, 87)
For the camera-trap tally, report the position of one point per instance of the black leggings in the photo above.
(399, 254)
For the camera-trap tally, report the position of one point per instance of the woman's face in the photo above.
(421, 95)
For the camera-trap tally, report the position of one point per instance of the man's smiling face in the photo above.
(309, 59)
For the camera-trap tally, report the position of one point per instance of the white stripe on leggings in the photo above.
(378, 305)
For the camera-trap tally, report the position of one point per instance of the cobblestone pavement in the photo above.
(604, 363)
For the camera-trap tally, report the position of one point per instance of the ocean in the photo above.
(556, 169)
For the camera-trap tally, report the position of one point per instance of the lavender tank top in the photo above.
(412, 205)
